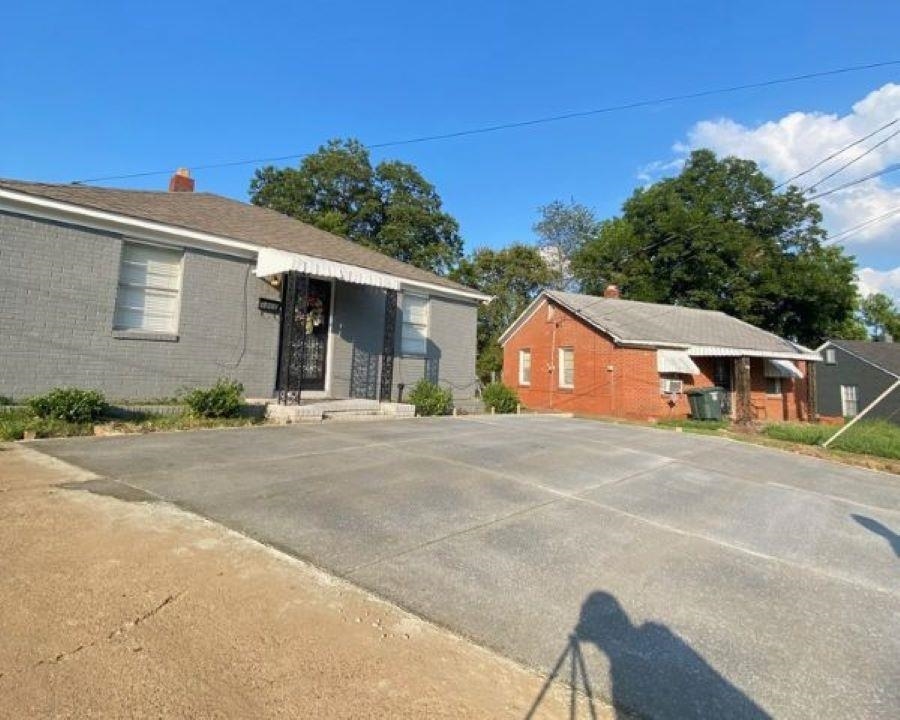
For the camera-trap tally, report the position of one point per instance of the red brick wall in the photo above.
(611, 380)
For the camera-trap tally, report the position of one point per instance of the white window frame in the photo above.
(523, 379)
(777, 384)
(405, 321)
(846, 400)
(830, 356)
(176, 292)
(561, 372)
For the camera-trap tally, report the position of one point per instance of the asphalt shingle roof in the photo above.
(882, 354)
(633, 321)
(224, 217)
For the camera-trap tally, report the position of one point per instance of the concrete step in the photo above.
(338, 410)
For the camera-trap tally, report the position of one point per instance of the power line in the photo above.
(844, 234)
(834, 155)
(851, 162)
(535, 121)
(864, 178)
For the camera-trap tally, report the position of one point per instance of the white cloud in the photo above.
(884, 281)
(790, 145)
(795, 142)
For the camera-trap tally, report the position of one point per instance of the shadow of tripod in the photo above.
(578, 676)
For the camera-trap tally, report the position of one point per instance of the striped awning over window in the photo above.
(675, 361)
(782, 368)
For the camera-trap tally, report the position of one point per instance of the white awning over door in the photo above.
(782, 368)
(274, 262)
(675, 361)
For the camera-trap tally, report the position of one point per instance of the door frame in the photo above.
(329, 343)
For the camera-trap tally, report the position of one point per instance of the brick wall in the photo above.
(617, 381)
(57, 293)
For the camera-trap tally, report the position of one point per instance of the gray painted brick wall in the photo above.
(358, 330)
(57, 297)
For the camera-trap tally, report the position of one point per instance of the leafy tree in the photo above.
(390, 208)
(562, 231)
(719, 237)
(879, 312)
(513, 276)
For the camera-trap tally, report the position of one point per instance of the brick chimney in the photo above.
(612, 291)
(181, 181)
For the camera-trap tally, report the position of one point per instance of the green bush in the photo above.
(430, 399)
(6, 400)
(224, 399)
(501, 398)
(69, 404)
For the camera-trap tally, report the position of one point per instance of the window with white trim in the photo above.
(524, 367)
(414, 333)
(566, 367)
(773, 386)
(149, 291)
(830, 356)
(849, 400)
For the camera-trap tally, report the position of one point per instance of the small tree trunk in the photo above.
(742, 382)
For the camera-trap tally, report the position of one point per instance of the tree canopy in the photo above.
(514, 276)
(880, 313)
(562, 231)
(718, 236)
(391, 207)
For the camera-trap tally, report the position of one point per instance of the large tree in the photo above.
(880, 313)
(562, 231)
(718, 236)
(513, 276)
(389, 207)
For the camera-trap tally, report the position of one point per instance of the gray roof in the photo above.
(885, 355)
(231, 219)
(630, 321)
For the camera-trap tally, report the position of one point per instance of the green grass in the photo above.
(15, 423)
(701, 426)
(803, 433)
(868, 437)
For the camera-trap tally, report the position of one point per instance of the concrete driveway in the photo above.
(680, 576)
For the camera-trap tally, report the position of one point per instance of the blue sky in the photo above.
(93, 89)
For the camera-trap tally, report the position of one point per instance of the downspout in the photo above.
(861, 415)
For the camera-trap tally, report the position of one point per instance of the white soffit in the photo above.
(274, 262)
(782, 368)
(675, 361)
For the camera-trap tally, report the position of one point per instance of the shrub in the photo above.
(6, 400)
(501, 398)
(430, 399)
(224, 399)
(69, 404)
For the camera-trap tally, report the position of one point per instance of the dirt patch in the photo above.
(120, 607)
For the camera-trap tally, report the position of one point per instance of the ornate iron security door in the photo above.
(303, 359)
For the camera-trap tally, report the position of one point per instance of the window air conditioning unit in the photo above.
(669, 386)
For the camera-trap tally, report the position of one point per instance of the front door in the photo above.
(308, 353)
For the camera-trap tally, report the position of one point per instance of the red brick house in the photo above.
(609, 356)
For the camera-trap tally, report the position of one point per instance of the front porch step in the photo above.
(338, 410)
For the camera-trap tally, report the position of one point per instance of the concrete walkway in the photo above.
(680, 576)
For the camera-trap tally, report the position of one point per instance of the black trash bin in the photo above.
(706, 403)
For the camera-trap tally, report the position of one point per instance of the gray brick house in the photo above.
(858, 377)
(143, 294)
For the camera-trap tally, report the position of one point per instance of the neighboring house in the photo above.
(609, 356)
(854, 375)
(143, 294)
